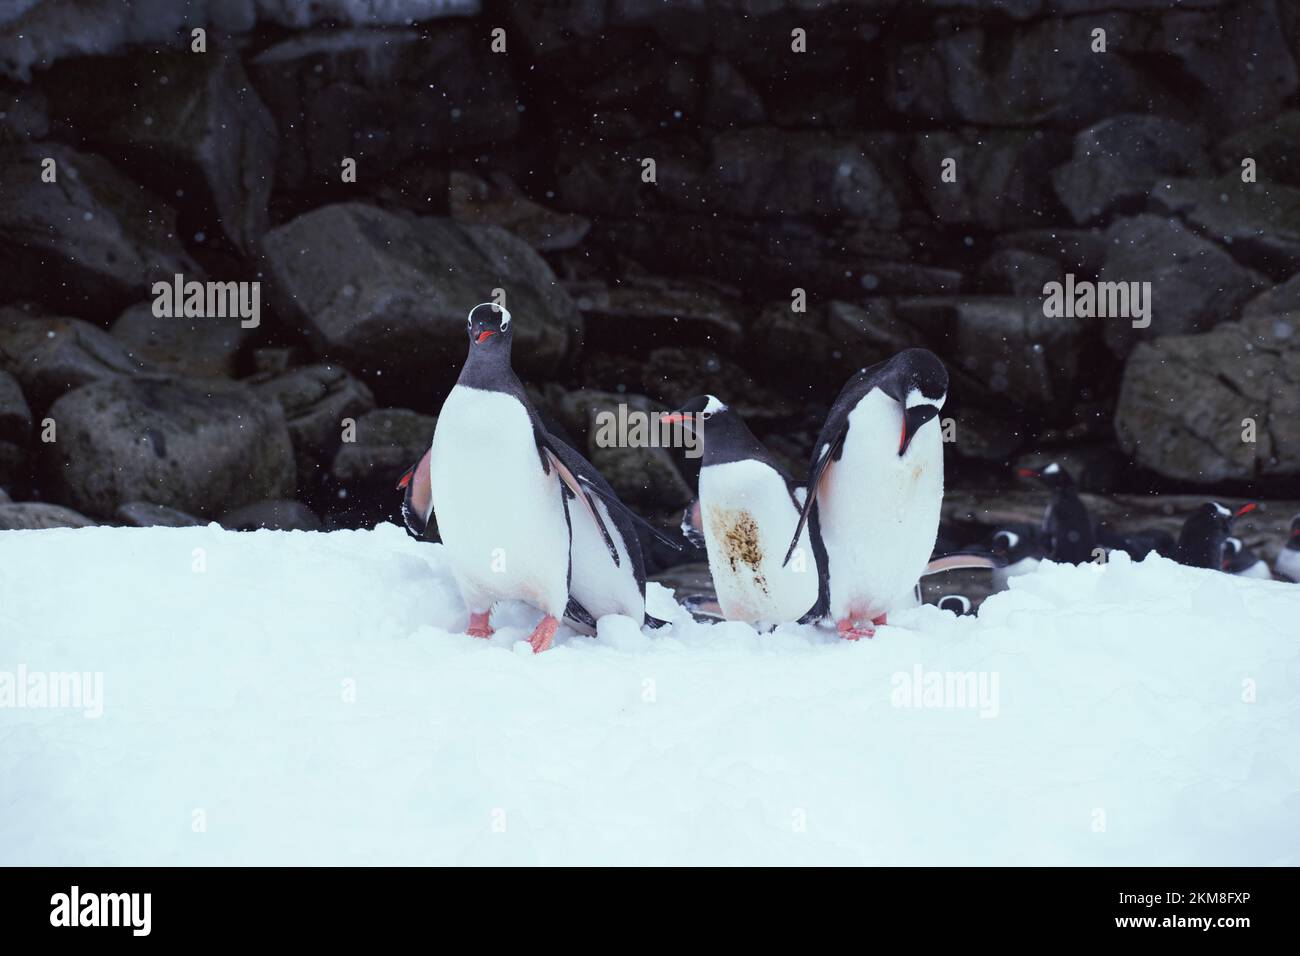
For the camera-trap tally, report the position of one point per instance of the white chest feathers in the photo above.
(748, 519)
(499, 514)
(879, 510)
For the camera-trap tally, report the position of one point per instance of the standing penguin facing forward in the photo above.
(500, 488)
(877, 485)
(748, 510)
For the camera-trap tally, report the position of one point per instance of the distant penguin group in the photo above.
(524, 517)
(1068, 535)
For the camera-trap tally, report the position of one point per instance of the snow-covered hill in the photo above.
(306, 698)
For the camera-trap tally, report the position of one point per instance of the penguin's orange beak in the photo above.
(1027, 473)
(484, 336)
(1245, 509)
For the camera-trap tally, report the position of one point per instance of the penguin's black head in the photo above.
(1007, 544)
(919, 382)
(1053, 476)
(1293, 542)
(488, 327)
(959, 604)
(694, 412)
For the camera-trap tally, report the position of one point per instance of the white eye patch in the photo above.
(1010, 537)
(713, 405)
(505, 314)
(1052, 469)
(916, 397)
(1223, 512)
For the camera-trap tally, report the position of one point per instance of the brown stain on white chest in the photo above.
(736, 532)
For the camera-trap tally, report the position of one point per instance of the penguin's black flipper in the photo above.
(613, 501)
(576, 612)
(417, 502)
(579, 489)
(693, 525)
(655, 623)
(830, 453)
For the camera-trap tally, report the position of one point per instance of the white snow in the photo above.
(1144, 714)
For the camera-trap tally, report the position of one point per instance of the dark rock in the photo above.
(15, 465)
(1261, 219)
(1210, 49)
(4, 497)
(1280, 298)
(316, 400)
(387, 294)
(15, 416)
(180, 345)
(189, 125)
(91, 242)
(869, 332)
(729, 98)
(1001, 176)
(765, 172)
(1116, 162)
(1194, 283)
(353, 93)
(202, 449)
(1273, 144)
(1018, 272)
(672, 375)
(1082, 251)
(277, 515)
(474, 202)
(37, 516)
(644, 311)
(142, 514)
(388, 442)
(24, 114)
(1019, 75)
(1185, 400)
(39, 32)
(50, 355)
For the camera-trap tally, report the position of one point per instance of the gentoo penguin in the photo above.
(1138, 544)
(1288, 559)
(748, 509)
(501, 489)
(959, 604)
(1067, 529)
(1018, 546)
(1202, 540)
(1239, 559)
(876, 483)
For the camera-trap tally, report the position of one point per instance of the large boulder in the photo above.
(476, 202)
(91, 242)
(1001, 176)
(200, 134)
(316, 400)
(369, 95)
(387, 442)
(50, 355)
(1261, 219)
(642, 312)
(1271, 144)
(1189, 402)
(202, 449)
(199, 347)
(1194, 283)
(387, 294)
(1116, 162)
(1019, 74)
(38, 516)
(15, 416)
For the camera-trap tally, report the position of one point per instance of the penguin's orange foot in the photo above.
(850, 631)
(478, 625)
(543, 634)
(880, 621)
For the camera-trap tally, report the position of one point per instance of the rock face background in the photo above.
(797, 228)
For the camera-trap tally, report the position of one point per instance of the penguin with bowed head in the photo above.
(876, 483)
